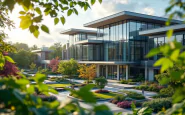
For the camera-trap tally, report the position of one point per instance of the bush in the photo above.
(134, 95)
(101, 91)
(120, 97)
(158, 104)
(87, 82)
(125, 104)
(169, 91)
(145, 87)
(101, 82)
(123, 81)
(160, 96)
(132, 83)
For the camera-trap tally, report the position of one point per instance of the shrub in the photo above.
(158, 104)
(145, 87)
(135, 95)
(101, 91)
(101, 82)
(160, 96)
(169, 91)
(89, 81)
(125, 104)
(132, 83)
(120, 97)
(123, 81)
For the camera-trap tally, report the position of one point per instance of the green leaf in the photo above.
(76, 12)
(45, 28)
(85, 93)
(175, 54)
(159, 62)
(164, 80)
(153, 52)
(166, 65)
(9, 3)
(22, 82)
(92, 2)
(37, 9)
(100, 1)
(56, 20)
(25, 22)
(2, 61)
(22, 12)
(169, 33)
(85, 7)
(39, 78)
(36, 33)
(37, 19)
(69, 12)
(62, 19)
(7, 58)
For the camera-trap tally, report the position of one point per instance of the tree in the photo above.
(34, 11)
(34, 47)
(57, 50)
(54, 64)
(32, 66)
(68, 68)
(101, 82)
(21, 46)
(24, 58)
(87, 72)
(18, 94)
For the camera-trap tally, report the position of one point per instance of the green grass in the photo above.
(59, 85)
(109, 95)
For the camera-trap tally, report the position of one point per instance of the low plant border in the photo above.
(83, 100)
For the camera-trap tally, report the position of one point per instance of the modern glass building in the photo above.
(118, 47)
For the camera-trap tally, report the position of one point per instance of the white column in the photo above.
(97, 70)
(146, 71)
(117, 72)
(151, 74)
(126, 72)
(106, 70)
(45, 66)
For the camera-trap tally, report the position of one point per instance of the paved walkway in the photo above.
(111, 86)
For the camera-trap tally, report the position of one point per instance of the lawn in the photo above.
(109, 95)
(59, 85)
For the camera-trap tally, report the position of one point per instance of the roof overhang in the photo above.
(125, 15)
(107, 62)
(89, 42)
(75, 31)
(37, 51)
(163, 30)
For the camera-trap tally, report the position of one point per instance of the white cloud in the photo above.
(121, 1)
(149, 11)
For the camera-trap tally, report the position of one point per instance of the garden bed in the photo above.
(125, 99)
(99, 96)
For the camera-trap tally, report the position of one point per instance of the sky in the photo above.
(97, 11)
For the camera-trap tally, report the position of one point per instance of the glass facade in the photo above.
(122, 41)
(161, 40)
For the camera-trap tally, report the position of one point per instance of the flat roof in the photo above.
(75, 31)
(163, 30)
(128, 15)
(89, 42)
